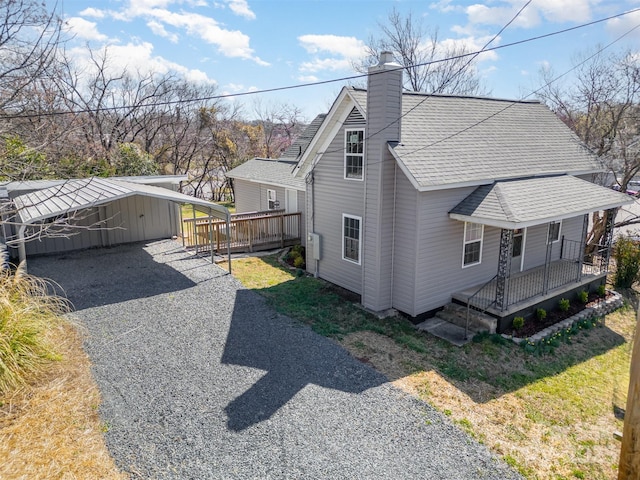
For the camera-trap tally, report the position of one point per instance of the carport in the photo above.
(72, 196)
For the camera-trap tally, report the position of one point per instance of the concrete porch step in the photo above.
(478, 322)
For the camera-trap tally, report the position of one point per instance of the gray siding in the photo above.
(439, 251)
(334, 196)
(405, 244)
(247, 196)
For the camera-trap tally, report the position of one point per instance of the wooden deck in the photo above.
(248, 232)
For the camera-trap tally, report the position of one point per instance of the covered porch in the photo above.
(563, 268)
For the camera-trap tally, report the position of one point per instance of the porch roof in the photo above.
(523, 203)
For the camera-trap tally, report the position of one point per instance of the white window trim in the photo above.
(559, 231)
(271, 193)
(524, 246)
(344, 167)
(464, 243)
(354, 217)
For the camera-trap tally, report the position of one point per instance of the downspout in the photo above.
(393, 226)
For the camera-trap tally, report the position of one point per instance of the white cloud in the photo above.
(331, 52)
(621, 25)
(84, 29)
(158, 29)
(470, 45)
(135, 57)
(307, 78)
(93, 12)
(556, 11)
(348, 47)
(240, 7)
(444, 6)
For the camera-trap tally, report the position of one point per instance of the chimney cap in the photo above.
(386, 57)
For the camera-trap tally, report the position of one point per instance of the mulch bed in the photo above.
(533, 325)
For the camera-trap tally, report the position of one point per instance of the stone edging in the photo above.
(607, 306)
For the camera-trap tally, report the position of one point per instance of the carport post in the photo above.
(22, 252)
(195, 228)
(229, 239)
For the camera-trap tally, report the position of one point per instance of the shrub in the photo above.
(602, 290)
(298, 262)
(541, 313)
(627, 255)
(583, 296)
(564, 304)
(27, 315)
(518, 323)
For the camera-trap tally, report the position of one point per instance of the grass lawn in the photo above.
(187, 210)
(549, 416)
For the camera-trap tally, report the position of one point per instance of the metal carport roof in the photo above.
(74, 195)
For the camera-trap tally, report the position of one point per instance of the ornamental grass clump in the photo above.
(627, 255)
(27, 317)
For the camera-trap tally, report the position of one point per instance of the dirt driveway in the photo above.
(201, 379)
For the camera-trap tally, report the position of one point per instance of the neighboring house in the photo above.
(414, 200)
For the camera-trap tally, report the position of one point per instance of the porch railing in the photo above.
(571, 267)
(248, 232)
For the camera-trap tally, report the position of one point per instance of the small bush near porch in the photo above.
(550, 417)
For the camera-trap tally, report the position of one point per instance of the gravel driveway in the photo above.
(201, 379)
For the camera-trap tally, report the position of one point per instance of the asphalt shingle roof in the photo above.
(299, 146)
(264, 170)
(521, 203)
(449, 139)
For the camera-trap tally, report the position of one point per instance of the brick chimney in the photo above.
(384, 110)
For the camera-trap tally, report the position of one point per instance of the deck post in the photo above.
(504, 269)
(282, 230)
(583, 243)
(211, 235)
(229, 239)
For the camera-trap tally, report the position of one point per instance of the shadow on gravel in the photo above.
(292, 357)
(103, 276)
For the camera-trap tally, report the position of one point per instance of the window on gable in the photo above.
(553, 234)
(472, 254)
(272, 202)
(354, 154)
(351, 238)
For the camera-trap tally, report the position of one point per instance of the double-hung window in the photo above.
(354, 154)
(272, 202)
(553, 234)
(351, 237)
(472, 253)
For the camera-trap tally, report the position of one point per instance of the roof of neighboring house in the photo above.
(448, 140)
(73, 195)
(273, 172)
(522, 203)
(299, 146)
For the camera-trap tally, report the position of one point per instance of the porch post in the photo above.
(504, 269)
(547, 263)
(608, 239)
(583, 243)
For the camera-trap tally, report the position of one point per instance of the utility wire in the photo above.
(323, 82)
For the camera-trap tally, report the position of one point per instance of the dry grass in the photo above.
(49, 426)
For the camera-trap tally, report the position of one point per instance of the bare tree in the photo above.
(29, 41)
(431, 66)
(601, 106)
(280, 124)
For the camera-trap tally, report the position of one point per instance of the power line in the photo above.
(324, 82)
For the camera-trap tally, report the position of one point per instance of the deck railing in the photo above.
(248, 232)
(571, 267)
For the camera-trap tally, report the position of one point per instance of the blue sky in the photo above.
(249, 45)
